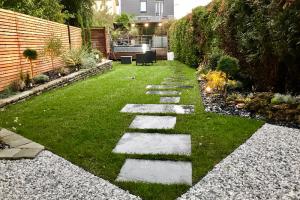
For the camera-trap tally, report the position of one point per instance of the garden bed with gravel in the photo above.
(276, 109)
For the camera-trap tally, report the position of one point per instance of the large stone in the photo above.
(27, 153)
(163, 93)
(31, 145)
(161, 87)
(169, 99)
(5, 132)
(154, 143)
(153, 122)
(155, 171)
(158, 108)
(15, 140)
(8, 153)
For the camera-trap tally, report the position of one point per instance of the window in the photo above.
(143, 7)
(159, 8)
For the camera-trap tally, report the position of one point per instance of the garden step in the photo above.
(163, 93)
(169, 99)
(158, 108)
(153, 122)
(154, 143)
(156, 171)
(161, 87)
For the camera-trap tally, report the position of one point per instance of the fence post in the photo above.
(69, 35)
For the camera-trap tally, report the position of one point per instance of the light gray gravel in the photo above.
(49, 176)
(267, 166)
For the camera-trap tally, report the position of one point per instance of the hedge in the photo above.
(264, 35)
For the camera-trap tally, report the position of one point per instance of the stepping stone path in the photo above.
(153, 122)
(18, 146)
(158, 108)
(164, 93)
(169, 99)
(156, 171)
(156, 143)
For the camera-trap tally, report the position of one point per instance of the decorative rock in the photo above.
(155, 171)
(154, 143)
(158, 108)
(267, 166)
(164, 93)
(50, 177)
(153, 122)
(169, 99)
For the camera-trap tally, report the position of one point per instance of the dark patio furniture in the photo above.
(126, 59)
(149, 57)
(140, 59)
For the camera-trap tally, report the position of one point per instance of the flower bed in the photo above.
(59, 82)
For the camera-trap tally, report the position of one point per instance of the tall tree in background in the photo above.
(82, 14)
(102, 17)
(45, 9)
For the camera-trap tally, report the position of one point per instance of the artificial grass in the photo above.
(83, 123)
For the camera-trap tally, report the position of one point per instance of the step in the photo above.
(156, 171)
(154, 143)
(163, 93)
(169, 99)
(158, 109)
(153, 122)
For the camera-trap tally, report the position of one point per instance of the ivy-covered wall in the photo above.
(263, 34)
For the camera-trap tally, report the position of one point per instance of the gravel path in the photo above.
(49, 176)
(267, 166)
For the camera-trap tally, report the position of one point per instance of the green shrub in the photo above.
(88, 62)
(73, 57)
(17, 85)
(97, 55)
(280, 98)
(40, 79)
(228, 65)
(213, 60)
(31, 55)
(233, 84)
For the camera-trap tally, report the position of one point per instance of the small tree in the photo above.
(30, 54)
(52, 48)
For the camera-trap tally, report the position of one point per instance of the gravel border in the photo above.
(267, 166)
(49, 177)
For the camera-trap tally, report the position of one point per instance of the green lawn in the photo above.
(83, 123)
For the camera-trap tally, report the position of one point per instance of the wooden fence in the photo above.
(19, 32)
(100, 40)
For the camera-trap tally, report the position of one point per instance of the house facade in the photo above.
(148, 11)
(111, 5)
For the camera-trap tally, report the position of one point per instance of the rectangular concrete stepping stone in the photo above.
(5, 132)
(8, 153)
(154, 143)
(15, 140)
(27, 153)
(153, 122)
(163, 93)
(156, 171)
(158, 108)
(161, 87)
(169, 99)
(31, 145)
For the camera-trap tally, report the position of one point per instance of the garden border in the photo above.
(61, 82)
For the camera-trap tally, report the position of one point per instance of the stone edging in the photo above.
(19, 147)
(63, 81)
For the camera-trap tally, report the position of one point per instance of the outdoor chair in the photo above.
(149, 57)
(140, 57)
